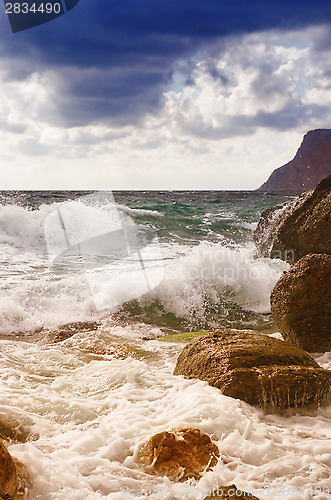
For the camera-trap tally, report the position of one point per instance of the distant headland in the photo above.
(311, 164)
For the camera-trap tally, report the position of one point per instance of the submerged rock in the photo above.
(11, 476)
(180, 454)
(258, 369)
(68, 330)
(297, 228)
(301, 303)
(118, 351)
(181, 337)
(230, 492)
(16, 427)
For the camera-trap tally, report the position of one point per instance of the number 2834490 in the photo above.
(25, 8)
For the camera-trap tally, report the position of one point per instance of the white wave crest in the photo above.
(211, 272)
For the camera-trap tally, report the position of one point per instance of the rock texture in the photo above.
(301, 303)
(231, 492)
(310, 165)
(11, 482)
(180, 455)
(258, 369)
(8, 474)
(16, 427)
(303, 226)
(68, 330)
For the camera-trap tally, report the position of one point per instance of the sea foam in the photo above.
(214, 274)
(201, 281)
(88, 416)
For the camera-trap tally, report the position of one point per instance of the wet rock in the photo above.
(68, 330)
(181, 337)
(231, 492)
(11, 476)
(255, 368)
(16, 427)
(180, 454)
(301, 303)
(98, 344)
(295, 229)
(270, 223)
(118, 351)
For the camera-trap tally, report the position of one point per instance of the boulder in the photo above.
(301, 303)
(294, 229)
(11, 482)
(180, 454)
(230, 492)
(258, 369)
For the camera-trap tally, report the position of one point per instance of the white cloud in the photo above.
(244, 115)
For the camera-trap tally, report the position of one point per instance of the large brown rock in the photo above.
(8, 474)
(258, 369)
(303, 226)
(310, 165)
(301, 303)
(180, 454)
(12, 476)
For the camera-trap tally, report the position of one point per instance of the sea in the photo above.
(96, 290)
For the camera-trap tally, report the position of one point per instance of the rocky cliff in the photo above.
(297, 228)
(310, 165)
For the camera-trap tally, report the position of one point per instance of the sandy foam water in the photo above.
(87, 416)
(31, 304)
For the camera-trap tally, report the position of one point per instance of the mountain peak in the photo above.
(311, 164)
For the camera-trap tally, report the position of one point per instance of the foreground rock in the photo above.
(311, 164)
(301, 303)
(231, 492)
(180, 455)
(11, 476)
(258, 369)
(303, 226)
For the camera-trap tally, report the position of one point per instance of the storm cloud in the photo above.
(114, 59)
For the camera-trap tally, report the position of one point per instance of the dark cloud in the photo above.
(15, 128)
(288, 117)
(267, 84)
(116, 57)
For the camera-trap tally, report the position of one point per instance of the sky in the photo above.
(162, 94)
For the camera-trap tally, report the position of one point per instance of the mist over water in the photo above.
(82, 410)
